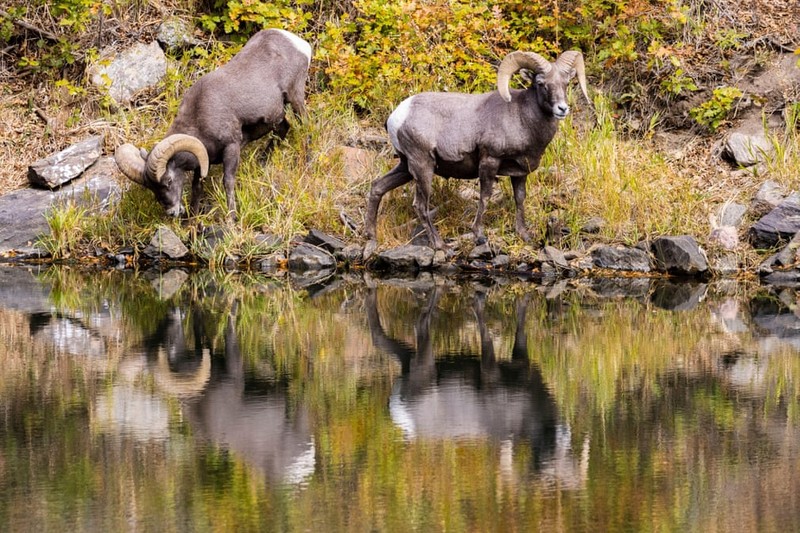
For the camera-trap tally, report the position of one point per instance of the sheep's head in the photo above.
(163, 171)
(551, 79)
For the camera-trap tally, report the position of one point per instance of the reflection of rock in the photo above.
(772, 318)
(678, 296)
(168, 283)
(67, 335)
(637, 288)
(475, 396)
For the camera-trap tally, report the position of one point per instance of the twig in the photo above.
(28, 26)
(42, 115)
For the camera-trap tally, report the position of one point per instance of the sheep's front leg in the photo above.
(519, 184)
(230, 164)
(197, 192)
(487, 173)
(396, 177)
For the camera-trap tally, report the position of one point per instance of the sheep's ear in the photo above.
(571, 73)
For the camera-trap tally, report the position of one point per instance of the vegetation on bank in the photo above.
(653, 65)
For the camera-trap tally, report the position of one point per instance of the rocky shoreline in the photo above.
(767, 227)
(82, 176)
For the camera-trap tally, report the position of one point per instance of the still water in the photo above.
(181, 401)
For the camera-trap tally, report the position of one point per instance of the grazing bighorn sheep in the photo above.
(239, 102)
(481, 136)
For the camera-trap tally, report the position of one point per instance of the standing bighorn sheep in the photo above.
(225, 109)
(481, 136)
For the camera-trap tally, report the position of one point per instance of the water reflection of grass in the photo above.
(643, 386)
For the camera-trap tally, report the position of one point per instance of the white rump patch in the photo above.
(298, 43)
(396, 119)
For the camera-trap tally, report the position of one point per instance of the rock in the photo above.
(408, 257)
(620, 258)
(726, 237)
(272, 263)
(323, 240)
(22, 212)
(175, 33)
(679, 255)
(556, 257)
(57, 169)
(789, 255)
(780, 224)
(768, 197)
(501, 261)
(137, 68)
(747, 148)
(725, 265)
(482, 252)
(305, 256)
(166, 243)
(593, 225)
(732, 214)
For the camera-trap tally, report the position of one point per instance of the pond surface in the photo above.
(185, 401)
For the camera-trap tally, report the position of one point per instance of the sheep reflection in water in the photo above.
(254, 421)
(471, 397)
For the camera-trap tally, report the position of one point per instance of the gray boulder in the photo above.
(780, 224)
(323, 240)
(620, 258)
(768, 197)
(66, 165)
(747, 148)
(679, 255)
(305, 256)
(137, 68)
(174, 33)
(409, 257)
(22, 212)
(166, 243)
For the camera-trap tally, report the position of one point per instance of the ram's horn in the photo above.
(162, 152)
(515, 61)
(573, 59)
(130, 162)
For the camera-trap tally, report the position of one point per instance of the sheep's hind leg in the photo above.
(230, 164)
(518, 184)
(487, 174)
(423, 174)
(396, 177)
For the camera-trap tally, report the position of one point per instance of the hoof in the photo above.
(369, 249)
(479, 241)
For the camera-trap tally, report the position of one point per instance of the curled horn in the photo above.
(130, 162)
(573, 59)
(515, 61)
(162, 152)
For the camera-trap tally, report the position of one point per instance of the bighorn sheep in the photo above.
(481, 136)
(239, 102)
